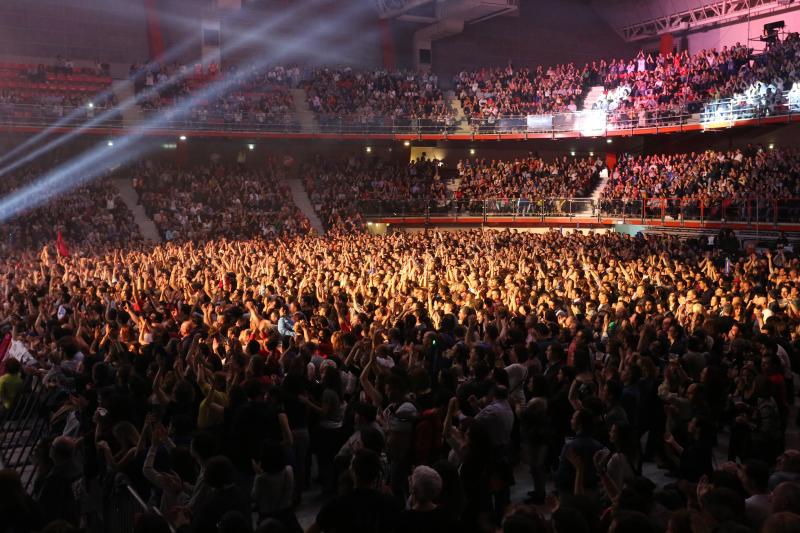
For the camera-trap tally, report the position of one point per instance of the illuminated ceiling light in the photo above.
(182, 137)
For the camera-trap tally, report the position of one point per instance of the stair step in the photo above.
(303, 203)
(130, 197)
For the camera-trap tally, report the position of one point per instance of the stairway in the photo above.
(303, 112)
(130, 197)
(594, 94)
(461, 121)
(303, 203)
(125, 93)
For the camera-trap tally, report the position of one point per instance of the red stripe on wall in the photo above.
(665, 46)
(611, 160)
(155, 38)
(387, 44)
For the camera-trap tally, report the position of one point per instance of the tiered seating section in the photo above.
(38, 93)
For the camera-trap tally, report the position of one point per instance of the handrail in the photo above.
(122, 505)
(23, 416)
(741, 210)
(597, 122)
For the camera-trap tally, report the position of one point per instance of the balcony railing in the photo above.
(652, 210)
(720, 113)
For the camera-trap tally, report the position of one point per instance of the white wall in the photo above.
(733, 33)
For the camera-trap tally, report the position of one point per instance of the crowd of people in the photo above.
(246, 97)
(217, 201)
(731, 83)
(361, 98)
(91, 214)
(528, 178)
(405, 376)
(718, 179)
(490, 93)
(341, 190)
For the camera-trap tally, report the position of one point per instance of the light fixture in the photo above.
(182, 137)
(110, 143)
(609, 141)
(591, 154)
(369, 223)
(406, 143)
(441, 163)
(90, 105)
(251, 146)
(572, 153)
(369, 149)
(472, 151)
(771, 146)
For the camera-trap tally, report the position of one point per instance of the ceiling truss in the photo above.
(711, 14)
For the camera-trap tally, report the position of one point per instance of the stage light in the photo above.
(406, 143)
(771, 146)
(251, 146)
(609, 141)
(110, 143)
(369, 149)
(591, 154)
(182, 137)
(90, 105)
(572, 153)
(472, 151)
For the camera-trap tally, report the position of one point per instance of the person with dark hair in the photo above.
(365, 509)
(224, 496)
(783, 522)
(273, 486)
(18, 510)
(695, 457)
(631, 522)
(584, 447)
(755, 478)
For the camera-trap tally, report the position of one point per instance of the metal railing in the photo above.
(123, 504)
(652, 210)
(22, 428)
(598, 122)
(57, 114)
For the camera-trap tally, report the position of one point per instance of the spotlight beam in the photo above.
(128, 147)
(173, 53)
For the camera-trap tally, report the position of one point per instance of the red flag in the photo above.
(61, 246)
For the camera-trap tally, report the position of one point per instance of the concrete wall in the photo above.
(112, 30)
(544, 33)
(329, 32)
